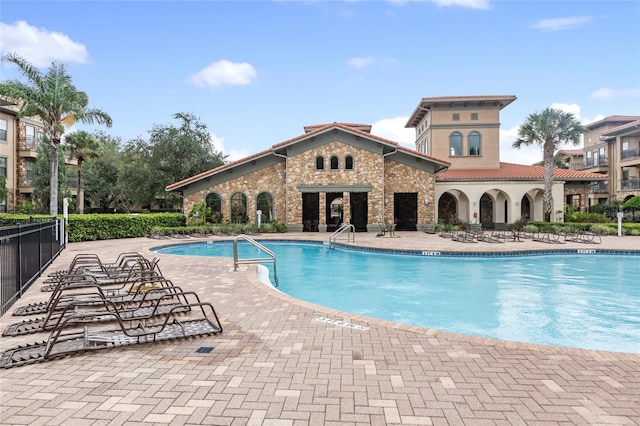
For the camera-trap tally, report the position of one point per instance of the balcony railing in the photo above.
(630, 155)
(599, 188)
(626, 184)
(590, 163)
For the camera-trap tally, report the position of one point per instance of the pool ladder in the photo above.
(349, 229)
(271, 258)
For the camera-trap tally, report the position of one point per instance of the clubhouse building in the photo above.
(341, 173)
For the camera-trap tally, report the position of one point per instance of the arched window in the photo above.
(474, 143)
(348, 162)
(238, 208)
(455, 142)
(265, 204)
(319, 162)
(334, 162)
(214, 202)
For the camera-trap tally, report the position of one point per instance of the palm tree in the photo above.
(549, 128)
(81, 146)
(53, 98)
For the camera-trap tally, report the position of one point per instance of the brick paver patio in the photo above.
(275, 364)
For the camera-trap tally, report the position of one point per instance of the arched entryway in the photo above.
(486, 211)
(447, 208)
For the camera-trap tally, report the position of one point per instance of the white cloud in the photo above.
(524, 155)
(361, 62)
(225, 73)
(393, 129)
(233, 154)
(559, 24)
(39, 46)
(570, 108)
(471, 4)
(607, 93)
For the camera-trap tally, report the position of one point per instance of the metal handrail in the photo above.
(351, 235)
(271, 258)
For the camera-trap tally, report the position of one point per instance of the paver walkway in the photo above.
(275, 364)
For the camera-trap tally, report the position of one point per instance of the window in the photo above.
(30, 167)
(3, 166)
(30, 136)
(265, 204)
(214, 202)
(474, 143)
(3, 130)
(455, 142)
(239, 208)
(319, 162)
(456, 117)
(334, 162)
(348, 162)
(3, 205)
(474, 115)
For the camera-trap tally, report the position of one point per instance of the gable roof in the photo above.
(516, 172)
(363, 127)
(320, 129)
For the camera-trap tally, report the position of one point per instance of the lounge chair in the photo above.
(66, 339)
(548, 237)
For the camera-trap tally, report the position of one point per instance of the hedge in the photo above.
(90, 227)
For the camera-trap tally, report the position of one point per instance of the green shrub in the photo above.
(89, 227)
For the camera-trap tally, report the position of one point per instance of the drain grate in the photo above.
(204, 349)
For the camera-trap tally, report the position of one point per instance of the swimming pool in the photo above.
(589, 301)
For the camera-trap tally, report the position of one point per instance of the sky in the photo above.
(257, 72)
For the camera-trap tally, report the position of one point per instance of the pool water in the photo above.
(583, 301)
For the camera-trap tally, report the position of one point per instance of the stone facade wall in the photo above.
(584, 197)
(401, 178)
(283, 185)
(269, 179)
(366, 171)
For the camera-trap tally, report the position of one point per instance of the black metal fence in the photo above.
(25, 251)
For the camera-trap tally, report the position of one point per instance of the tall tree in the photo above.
(82, 146)
(101, 175)
(41, 196)
(549, 128)
(171, 154)
(56, 101)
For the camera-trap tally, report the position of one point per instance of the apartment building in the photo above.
(612, 148)
(19, 139)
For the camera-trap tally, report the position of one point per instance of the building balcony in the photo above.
(596, 166)
(630, 184)
(599, 188)
(630, 155)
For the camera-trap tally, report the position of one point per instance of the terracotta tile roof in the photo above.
(612, 119)
(427, 103)
(472, 98)
(363, 127)
(310, 134)
(511, 171)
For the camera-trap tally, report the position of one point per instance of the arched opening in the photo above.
(334, 210)
(447, 208)
(264, 203)
(214, 202)
(238, 208)
(348, 162)
(525, 208)
(486, 210)
(319, 162)
(334, 162)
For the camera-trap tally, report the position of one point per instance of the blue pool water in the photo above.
(583, 301)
